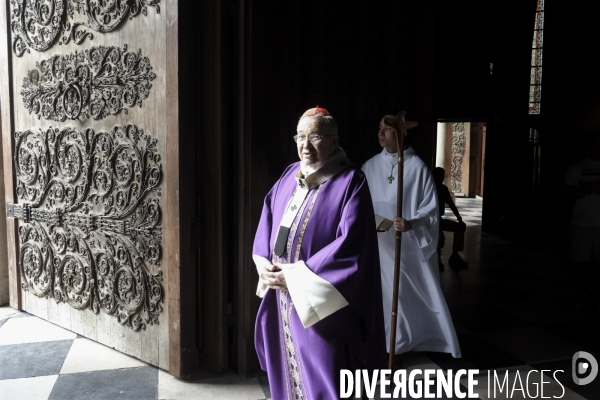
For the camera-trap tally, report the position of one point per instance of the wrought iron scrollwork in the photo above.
(37, 24)
(93, 83)
(91, 235)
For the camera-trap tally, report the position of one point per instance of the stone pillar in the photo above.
(3, 255)
(444, 148)
(476, 159)
(459, 170)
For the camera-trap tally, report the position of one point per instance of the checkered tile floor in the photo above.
(39, 360)
(509, 309)
(469, 210)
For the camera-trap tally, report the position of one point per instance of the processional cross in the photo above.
(391, 177)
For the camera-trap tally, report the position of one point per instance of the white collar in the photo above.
(307, 170)
(387, 153)
(407, 153)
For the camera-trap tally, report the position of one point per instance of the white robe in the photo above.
(424, 322)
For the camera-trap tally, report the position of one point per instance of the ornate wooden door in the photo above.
(88, 93)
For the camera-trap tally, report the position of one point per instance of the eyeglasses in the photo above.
(313, 138)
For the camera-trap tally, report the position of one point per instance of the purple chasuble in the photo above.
(333, 234)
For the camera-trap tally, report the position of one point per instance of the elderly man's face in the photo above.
(314, 153)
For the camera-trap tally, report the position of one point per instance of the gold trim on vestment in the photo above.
(293, 363)
(306, 218)
(282, 311)
(292, 366)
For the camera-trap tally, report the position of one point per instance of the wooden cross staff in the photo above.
(401, 126)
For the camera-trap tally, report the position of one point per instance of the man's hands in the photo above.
(273, 277)
(402, 225)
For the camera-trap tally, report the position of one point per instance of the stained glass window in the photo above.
(535, 81)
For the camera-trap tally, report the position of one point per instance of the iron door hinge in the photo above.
(15, 211)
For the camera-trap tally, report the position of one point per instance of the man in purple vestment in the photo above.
(316, 254)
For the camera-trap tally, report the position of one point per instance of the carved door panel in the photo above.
(86, 159)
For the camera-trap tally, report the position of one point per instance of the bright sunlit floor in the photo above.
(39, 360)
(509, 307)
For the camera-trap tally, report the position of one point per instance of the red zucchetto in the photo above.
(315, 111)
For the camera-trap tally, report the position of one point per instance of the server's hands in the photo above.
(402, 225)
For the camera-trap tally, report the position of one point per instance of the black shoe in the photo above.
(456, 261)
